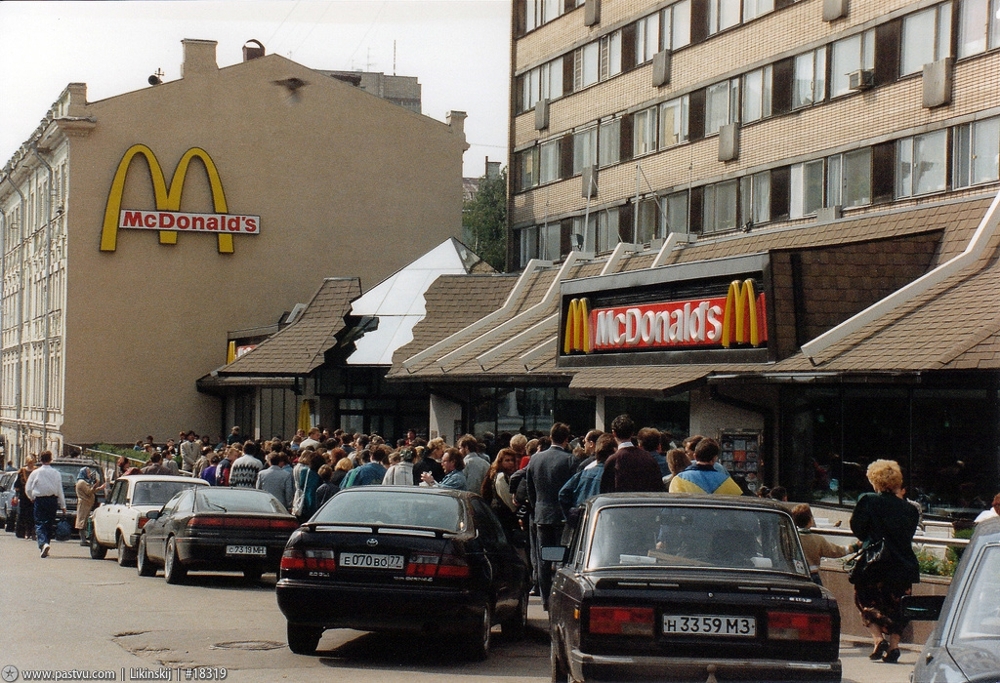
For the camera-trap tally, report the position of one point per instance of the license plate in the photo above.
(370, 561)
(709, 625)
(246, 550)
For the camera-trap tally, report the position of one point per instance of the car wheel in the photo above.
(559, 672)
(143, 564)
(126, 556)
(173, 571)
(478, 647)
(302, 639)
(97, 551)
(253, 574)
(513, 627)
(10, 523)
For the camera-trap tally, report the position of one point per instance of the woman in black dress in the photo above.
(886, 515)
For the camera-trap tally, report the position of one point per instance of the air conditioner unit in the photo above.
(862, 79)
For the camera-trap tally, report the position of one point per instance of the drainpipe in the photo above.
(46, 283)
(18, 374)
(765, 412)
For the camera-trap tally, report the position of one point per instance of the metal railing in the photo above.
(919, 539)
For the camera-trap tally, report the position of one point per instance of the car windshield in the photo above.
(679, 536)
(394, 508)
(157, 492)
(69, 471)
(215, 499)
(979, 613)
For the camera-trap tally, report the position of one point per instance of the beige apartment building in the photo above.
(139, 229)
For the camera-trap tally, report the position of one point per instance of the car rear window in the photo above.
(157, 492)
(395, 508)
(979, 616)
(678, 536)
(214, 499)
(68, 472)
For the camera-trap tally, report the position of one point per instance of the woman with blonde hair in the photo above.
(885, 516)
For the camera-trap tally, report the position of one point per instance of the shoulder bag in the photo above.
(865, 566)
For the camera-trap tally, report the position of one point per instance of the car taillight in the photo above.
(218, 522)
(306, 560)
(799, 626)
(440, 566)
(142, 521)
(622, 621)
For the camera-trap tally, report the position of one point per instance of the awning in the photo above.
(640, 379)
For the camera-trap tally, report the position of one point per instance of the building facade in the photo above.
(139, 229)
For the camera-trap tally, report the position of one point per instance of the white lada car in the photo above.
(117, 522)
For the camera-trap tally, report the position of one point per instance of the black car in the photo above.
(965, 644)
(68, 469)
(215, 528)
(683, 587)
(391, 558)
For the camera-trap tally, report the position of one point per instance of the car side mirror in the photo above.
(922, 607)
(152, 514)
(554, 553)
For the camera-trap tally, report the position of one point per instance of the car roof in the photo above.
(421, 490)
(163, 477)
(688, 500)
(79, 462)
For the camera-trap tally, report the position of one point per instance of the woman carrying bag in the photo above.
(885, 522)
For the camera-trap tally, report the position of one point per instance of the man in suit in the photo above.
(630, 468)
(546, 473)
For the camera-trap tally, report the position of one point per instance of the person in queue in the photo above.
(430, 461)
(815, 546)
(702, 476)
(630, 468)
(277, 481)
(677, 461)
(452, 463)
(496, 489)
(586, 483)
(547, 472)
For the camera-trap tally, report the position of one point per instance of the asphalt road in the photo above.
(68, 612)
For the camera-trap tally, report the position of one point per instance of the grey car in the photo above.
(8, 511)
(965, 644)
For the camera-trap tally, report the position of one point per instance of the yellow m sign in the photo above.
(577, 336)
(168, 198)
(739, 322)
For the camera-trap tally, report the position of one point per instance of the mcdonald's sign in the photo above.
(167, 219)
(738, 319)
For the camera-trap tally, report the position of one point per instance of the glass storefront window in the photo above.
(671, 414)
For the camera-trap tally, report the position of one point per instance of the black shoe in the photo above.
(891, 657)
(880, 650)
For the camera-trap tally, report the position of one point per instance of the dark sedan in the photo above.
(215, 528)
(390, 558)
(685, 588)
(965, 644)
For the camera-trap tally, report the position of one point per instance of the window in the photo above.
(722, 14)
(978, 26)
(540, 12)
(677, 212)
(543, 82)
(809, 85)
(926, 38)
(806, 188)
(850, 54)
(755, 198)
(677, 25)
(549, 241)
(755, 8)
(647, 38)
(601, 233)
(648, 220)
(849, 178)
(609, 147)
(721, 105)
(548, 162)
(920, 164)
(757, 94)
(586, 69)
(528, 168)
(611, 55)
(720, 207)
(976, 148)
(644, 132)
(584, 149)
(673, 122)
(529, 244)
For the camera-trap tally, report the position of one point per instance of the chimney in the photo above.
(252, 49)
(456, 121)
(199, 57)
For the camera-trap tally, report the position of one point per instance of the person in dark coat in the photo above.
(547, 472)
(629, 468)
(886, 515)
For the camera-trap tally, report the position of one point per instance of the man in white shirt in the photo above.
(313, 440)
(44, 489)
(993, 511)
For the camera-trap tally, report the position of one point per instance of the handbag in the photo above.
(866, 564)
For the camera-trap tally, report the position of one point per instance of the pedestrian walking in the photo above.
(44, 489)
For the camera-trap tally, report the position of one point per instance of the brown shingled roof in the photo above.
(299, 348)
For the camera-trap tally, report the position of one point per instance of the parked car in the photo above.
(8, 497)
(385, 558)
(117, 523)
(69, 468)
(965, 644)
(682, 587)
(215, 528)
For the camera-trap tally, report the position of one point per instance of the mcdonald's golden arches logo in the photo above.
(577, 336)
(167, 218)
(744, 316)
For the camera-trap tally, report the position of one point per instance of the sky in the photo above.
(458, 50)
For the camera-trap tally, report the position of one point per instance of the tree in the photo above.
(484, 220)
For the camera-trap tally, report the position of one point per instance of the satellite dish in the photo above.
(154, 80)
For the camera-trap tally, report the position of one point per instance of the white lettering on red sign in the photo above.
(676, 323)
(189, 222)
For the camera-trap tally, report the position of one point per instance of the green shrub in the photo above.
(955, 554)
(934, 565)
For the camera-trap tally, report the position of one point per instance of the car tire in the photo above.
(560, 674)
(143, 564)
(302, 639)
(126, 556)
(478, 645)
(253, 574)
(513, 627)
(97, 551)
(173, 571)
(10, 523)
